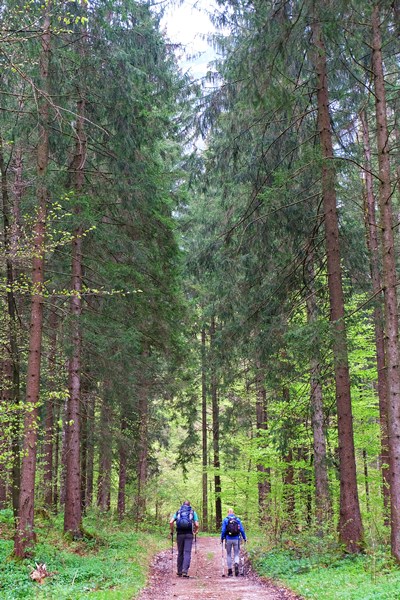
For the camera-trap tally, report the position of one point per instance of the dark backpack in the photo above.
(184, 519)
(233, 527)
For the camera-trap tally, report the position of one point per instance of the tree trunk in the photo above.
(143, 449)
(263, 472)
(15, 234)
(73, 498)
(350, 524)
(389, 283)
(56, 456)
(64, 451)
(73, 512)
(91, 402)
(18, 188)
(4, 446)
(11, 383)
(48, 475)
(123, 461)
(25, 535)
(215, 427)
(288, 481)
(84, 426)
(303, 455)
(204, 429)
(105, 455)
(373, 247)
(323, 505)
(366, 478)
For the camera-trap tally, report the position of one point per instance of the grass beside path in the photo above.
(112, 565)
(318, 570)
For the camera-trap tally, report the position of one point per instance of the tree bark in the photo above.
(366, 478)
(389, 283)
(303, 455)
(4, 446)
(73, 510)
(350, 524)
(373, 247)
(288, 481)
(11, 385)
(56, 455)
(263, 472)
(64, 451)
(25, 534)
(105, 455)
(215, 427)
(204, 429)
(123, 462)
(323, 504)
(91, 402)
(84, 427)
(143, 447)
(73, 498)
(48, 475)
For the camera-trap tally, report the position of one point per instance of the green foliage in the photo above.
(111, 565)
(317, 569)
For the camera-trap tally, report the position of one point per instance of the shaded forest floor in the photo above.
(206, 580)
(116, 561)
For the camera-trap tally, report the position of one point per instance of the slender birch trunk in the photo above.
(350, 524)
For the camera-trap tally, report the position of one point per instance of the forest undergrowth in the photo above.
(111, 562)
(113, 559)
(317, 568)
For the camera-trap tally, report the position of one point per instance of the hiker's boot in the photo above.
(230, 573)
(236, 569)
(184, 574)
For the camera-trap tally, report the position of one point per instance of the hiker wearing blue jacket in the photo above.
(187, 525)
(231, 531)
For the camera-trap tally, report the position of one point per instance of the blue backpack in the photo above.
(184, 519)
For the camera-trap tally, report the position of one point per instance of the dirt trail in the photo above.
(206, 581)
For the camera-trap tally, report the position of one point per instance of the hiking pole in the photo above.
(195, 551)
(242, 561)
(222, 558)
(172, 551)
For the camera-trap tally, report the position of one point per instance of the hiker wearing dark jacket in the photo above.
(231, 531)
(187, 525)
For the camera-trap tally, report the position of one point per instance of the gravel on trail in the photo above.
(206, 581)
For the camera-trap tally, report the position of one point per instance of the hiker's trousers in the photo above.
(235, 544)
(184, 541)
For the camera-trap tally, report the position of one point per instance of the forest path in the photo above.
(206, 581)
